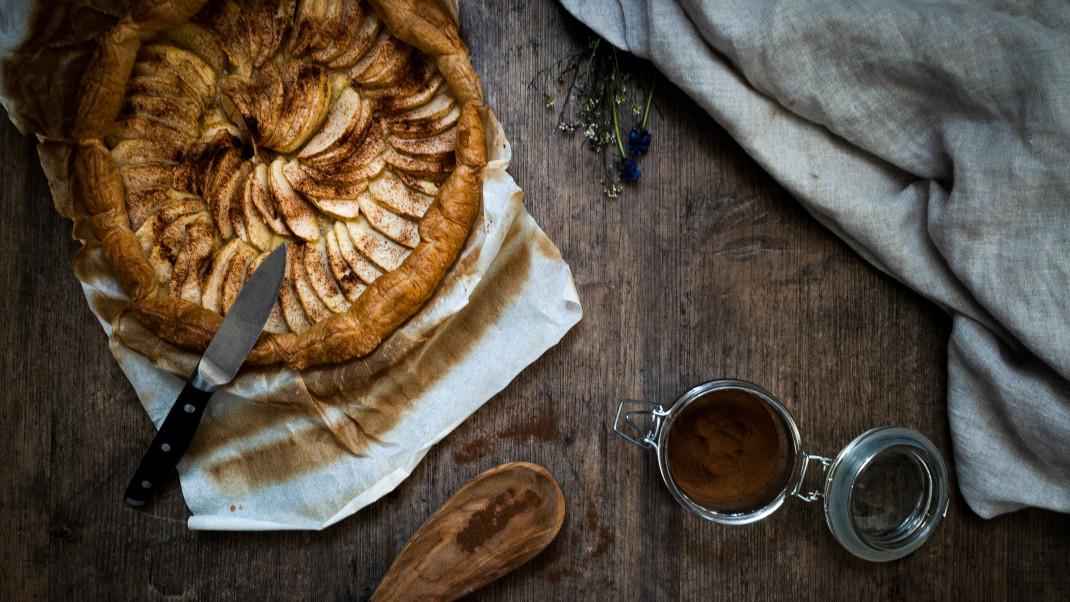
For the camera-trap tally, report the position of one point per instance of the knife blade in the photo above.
(218, 366)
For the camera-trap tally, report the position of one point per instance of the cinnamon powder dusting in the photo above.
(543, 429)
(492, 520)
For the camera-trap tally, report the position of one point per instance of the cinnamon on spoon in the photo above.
(495, 523)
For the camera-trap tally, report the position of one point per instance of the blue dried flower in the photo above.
(638, 141)
(629, 170)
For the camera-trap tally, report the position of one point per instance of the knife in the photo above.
(218, 366)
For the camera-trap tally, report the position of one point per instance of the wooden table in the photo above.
(707, 269)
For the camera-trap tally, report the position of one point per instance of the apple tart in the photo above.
(210, 133)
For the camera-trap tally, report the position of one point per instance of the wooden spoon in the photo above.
(495, 523)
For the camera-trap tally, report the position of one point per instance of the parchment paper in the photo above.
(279, 449)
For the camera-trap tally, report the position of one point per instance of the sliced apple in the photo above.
(136, 127)
(319, 276)
(148, 175)
(347, 279)
(212, 282)
(339, 208)
(440, 105)
(173, 113)
(201, 42)
(270, 96)
(198, 244)
(435, 168)
(224, 180)
(407, 96)
(342, 120)
(365, 172)
(298, 214)
(236, 275)
(275, 322)
(133, 152)
(197, 74)
(165, 248)
(141, 204)
(256, 34)
(433, 146)
(256, 229)
(307, 101)
(384, 252)
(259, 192)
(228, 20)
(259, 101)
(355, 137)
(168, 212)
(396, 228)
(316, 184)
(215, 123)
(350, 20)
(413, 77)
(308, 18)
(417, 128)
(364, 162)
(236, 189)
(306, 295)
(389, 191)
(422, 186)
(362, 267)
(272, 20)
(386, 56)
(292, 312)
(325, 32)
(154, 78)
(360, 44)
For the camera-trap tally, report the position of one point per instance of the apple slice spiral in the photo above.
(264, 123)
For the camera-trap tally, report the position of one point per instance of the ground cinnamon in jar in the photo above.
(729, 451)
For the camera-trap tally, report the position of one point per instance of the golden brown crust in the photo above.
(388, 301)
(100, 189)
(426, 25)
(155, 15)
(105, 78)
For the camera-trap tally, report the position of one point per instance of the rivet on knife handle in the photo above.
(170, 444)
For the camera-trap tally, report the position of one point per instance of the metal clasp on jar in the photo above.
(815, 494)
(655, 413)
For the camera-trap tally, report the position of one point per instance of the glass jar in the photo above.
(883, 494)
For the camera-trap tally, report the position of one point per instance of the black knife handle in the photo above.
(170, 444)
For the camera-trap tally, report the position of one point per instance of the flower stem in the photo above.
(594, 53)
(649, 98)
(616, 128)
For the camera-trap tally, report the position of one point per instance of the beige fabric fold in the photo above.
(933, 137)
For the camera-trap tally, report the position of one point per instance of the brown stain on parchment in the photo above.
(276, 461)
(546, 247)
(224, 428)
(310, 449)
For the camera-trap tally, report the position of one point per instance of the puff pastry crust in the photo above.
(209, 133)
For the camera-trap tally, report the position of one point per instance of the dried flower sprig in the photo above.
(595, 88)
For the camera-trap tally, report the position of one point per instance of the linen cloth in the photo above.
(934, 138)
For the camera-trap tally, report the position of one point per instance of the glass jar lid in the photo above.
(885, 493)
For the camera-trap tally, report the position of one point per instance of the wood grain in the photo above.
(707, 269)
